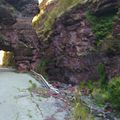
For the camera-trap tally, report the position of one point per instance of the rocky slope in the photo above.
(17, 34)
(70, 46)
(65, 44)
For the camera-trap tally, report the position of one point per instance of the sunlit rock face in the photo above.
(45, 1)
(6, 17)
(45, 6)
(18, 36)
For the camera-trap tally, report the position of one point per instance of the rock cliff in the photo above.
(17, 34)
(65, 44)
(70, 46)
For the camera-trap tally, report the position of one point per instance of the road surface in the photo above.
(17, 102)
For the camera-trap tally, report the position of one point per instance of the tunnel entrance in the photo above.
(7, 59)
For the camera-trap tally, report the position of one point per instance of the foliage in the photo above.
(108, 45)
(101, 26)
(114, 92)
(8, 59)
(81, 112)
(100, 96)
(51, 15)
(89, 85)
(32, 86)
(103, 75)
(111, 94)
(41, 68)
(59, 9)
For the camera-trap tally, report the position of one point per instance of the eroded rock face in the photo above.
(18, 36)
(70, 50)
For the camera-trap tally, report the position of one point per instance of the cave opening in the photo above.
(7, 59)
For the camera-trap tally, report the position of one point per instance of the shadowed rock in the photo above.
(101, 7)
(6, 17)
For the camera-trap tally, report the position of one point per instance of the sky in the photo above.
(39, 1)
(1, 56)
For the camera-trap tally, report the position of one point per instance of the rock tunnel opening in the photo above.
(7, 59)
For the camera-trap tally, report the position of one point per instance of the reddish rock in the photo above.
(19, 36)
(22, 67)
(70, 50)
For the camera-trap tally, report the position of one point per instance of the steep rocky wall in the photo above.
(27, 8)
(70, 49)
(18, 36)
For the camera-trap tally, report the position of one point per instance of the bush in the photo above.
(100, 96)
(101, 26)
(42, 66)
(8, 59)
(114, 92)
(103, 75)
(81, 111)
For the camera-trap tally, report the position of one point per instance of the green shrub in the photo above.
(41, 68)
(103, 75)
(81, 112)
(101, 26)
(8, 59)
(100, 96)
(32, 86)
(110, 45)
(114, 92)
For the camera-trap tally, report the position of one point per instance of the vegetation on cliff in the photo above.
(67, 56)
(102, 25)
(8, 59)
(52, 11)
